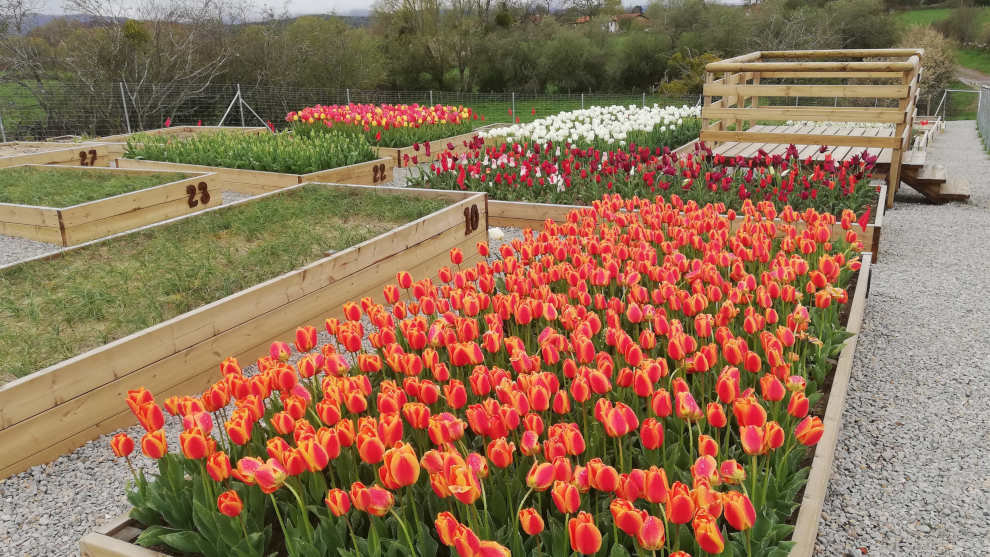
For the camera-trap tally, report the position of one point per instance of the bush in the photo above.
(938, 63)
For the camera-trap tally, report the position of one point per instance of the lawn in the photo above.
(64, 187)
(108, 290)
(962, 106)
(972, 58)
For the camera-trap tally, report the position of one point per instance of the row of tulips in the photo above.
(561, 173)
(607, 127)
(637, 379)
(388, 125)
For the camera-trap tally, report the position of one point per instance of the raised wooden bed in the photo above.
(181, 132)
(69, 226)
(52, 411)
(254, 182)
(399, 154)
(532, 215)
(50, 152)
(114, 539)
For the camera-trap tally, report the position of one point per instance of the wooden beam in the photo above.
(809, 66)
(797, 139)
(817, 114)
(880, 91)
(831, 75)
(842, 53)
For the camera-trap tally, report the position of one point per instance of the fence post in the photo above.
(644, 99)
(513, 104)
(431, 97)
(582, 101)
(240, 103)
(123, 101)
(3, 131)
(348, 96)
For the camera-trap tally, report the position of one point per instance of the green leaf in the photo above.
(186, 541)
(152, 536)
(618, 551)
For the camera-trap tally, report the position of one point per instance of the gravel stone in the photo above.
(912, 463)
(14, 249)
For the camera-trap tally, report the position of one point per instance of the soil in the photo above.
(17, 148)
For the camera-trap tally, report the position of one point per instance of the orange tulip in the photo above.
(372, 500)
(566, 497)
(739, 511)
(680, 505)
(752, 440)
(401, 464)
(305, 338)
(229, 503)
(218, 466)
(153, 444)
(447, 527)
(122, 445)
(651, 434)
(531, 521)
(150, 416)
(707, 533)
(500, 452)
(585, 537)
(651, 535)
(337, 501)
(809, 430)
(540, 476)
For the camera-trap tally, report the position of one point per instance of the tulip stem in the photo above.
(240, 519)
(749, 547)
(752, 473)
(278, 514)
(521, 503)
(302, 510)
(405, 531)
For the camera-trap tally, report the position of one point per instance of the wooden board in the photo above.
(180, 131)
(47, 413)
(256, 182)
(806, 528)
(81, 223)
(67, 154)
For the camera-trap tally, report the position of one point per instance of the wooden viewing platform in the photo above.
(745, 95)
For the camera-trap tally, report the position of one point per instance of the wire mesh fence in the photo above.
(52, 109)
(983, 114)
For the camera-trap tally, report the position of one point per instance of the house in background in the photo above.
(623, 21)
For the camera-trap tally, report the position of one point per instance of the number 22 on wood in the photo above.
(204, 194)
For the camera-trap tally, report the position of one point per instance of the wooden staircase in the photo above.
(931, 181)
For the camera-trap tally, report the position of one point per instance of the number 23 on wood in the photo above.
(202, 190)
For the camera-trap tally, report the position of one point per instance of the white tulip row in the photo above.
(611, 124)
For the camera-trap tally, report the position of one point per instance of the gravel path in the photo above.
(14, 249)
(912, 468)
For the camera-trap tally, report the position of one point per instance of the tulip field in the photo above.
(558, 173)
(608, 127)
(388, 125)
(644, 378)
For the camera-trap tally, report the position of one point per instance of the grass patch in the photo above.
(962, 106)
(63, 187)
(53, 310)
(974, 59)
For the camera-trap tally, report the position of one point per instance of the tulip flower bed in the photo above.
(559, 173)
(254, 163)
(608, 127)
(388, 125)
(71, 205)
(298, 153)
(639, 379)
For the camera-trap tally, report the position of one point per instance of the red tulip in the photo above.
(337, 501)
(739, 511)
(229, 503)
(122, 445)
(585, 537)
(531, 521)
(809, 431)
(566, 497)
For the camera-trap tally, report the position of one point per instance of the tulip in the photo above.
(540, 476)
(707, 533)
(809, 430)
(739, 511)
(531, 521)
(122, 445)
(229, 503)
(280, 351)
(337, 501)
(305, 338)
(651, 434)
(500, 452)
(153, 444)
(651, 535)
(447, 527)
(402, 464)
(373, 500)
(585, 537)
(680, 505)
(218, 466)
(566, 497)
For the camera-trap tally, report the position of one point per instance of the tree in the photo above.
(938, 63)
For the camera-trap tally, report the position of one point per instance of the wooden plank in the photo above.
(823, 114)
(831, 75)
(29, 214)
(46, 389)
(806, 527)
(31, 439)
(537, 212)
(65, 154)
(713, 135)
(136, 218)
(842, 152)
(235, 179)
(817, 91)
(52, 235)
(84, 213)
(370, 173)
(809, 66)
(842, 53)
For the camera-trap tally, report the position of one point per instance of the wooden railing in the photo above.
(734, 88)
